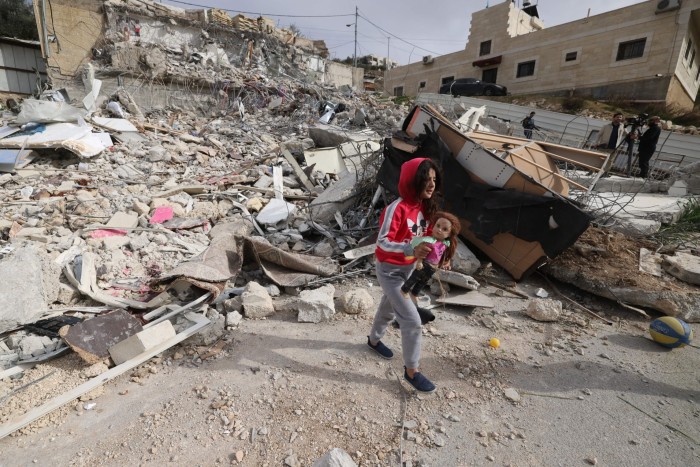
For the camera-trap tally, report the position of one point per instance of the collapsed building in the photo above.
(188, 168)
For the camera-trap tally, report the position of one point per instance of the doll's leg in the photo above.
(410, 282)
(425, 274)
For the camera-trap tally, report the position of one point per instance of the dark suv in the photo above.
(472, 87)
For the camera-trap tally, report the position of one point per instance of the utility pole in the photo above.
(354, 57)
(388, 41)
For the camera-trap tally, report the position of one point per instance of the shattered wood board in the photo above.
(92, 338)
(471, 298)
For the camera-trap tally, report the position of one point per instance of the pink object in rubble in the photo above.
(102, 233)
(162, 214)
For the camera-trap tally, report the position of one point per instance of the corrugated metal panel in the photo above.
(567, 129)
(19, 63)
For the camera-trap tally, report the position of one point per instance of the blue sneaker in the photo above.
(381, 349)
(420, 382)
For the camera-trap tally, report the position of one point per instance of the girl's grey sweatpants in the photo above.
(394, 305)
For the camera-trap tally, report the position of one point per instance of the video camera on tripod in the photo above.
(632, 135)
(638, 121)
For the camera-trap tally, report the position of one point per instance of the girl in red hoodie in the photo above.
(400, 221)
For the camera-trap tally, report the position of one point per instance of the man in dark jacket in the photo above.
(529, 125)
(647, 145)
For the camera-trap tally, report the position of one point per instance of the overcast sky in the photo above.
(415, 28)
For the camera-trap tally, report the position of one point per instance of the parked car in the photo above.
(472, 87)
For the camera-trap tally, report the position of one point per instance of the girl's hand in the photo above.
(422, 250)
(446, 265)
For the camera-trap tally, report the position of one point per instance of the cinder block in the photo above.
(141, 341)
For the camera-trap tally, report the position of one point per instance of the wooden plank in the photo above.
(297, 169)
(8, 428)
(360, 252)
(584, 188)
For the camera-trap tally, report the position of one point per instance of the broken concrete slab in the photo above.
(456, 278)
(328, 136)
(337, 197)
(92, 338)
(464, 260)
(544, 309)
(635, 227)
(650, 262)
(30, 282)
(257, 302)
(681, 304)
(685, 266)
(123, 220)
(472, 298)
(277, 210)
(141, 341)
(663, 208)
(618, 184)
(316, 305)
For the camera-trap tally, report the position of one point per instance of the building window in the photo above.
(688, 48)
(398, 91)
(692, 60)
(485, 48)
(570, 56)
(446, 80)
(421, 85)
(631, 49)
(526, 69)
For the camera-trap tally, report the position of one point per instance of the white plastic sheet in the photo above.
(47, 112)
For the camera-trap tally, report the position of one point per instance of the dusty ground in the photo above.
(282, 392)
(613, 258)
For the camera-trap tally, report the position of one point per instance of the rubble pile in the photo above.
(242, 197)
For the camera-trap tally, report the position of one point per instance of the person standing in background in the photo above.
(647, 145)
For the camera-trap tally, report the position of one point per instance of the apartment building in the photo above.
(645, 52)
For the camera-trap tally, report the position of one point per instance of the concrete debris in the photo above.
(221, 142)
(357, 301)
(256, 301)
(316, 305)
(93, 338)
(683, 265)
(30, 282)
(141, 341)
(456, 278)
(544, 309)
(336, 457)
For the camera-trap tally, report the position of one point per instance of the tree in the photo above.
(17, 20)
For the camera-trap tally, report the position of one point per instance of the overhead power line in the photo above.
(397, 37)
(258, 13)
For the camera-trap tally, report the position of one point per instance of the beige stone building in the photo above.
(644, 52)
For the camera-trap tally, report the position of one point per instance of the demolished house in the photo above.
(188, 168)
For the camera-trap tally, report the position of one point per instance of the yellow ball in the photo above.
(494, 342)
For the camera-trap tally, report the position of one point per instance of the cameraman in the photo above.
(647, 145)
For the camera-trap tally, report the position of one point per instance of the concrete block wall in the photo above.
(78, 24)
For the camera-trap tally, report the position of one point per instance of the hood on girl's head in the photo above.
(406, 184)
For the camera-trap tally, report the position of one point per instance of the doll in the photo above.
(445, 228)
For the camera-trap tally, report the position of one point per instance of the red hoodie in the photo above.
(401, 220)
